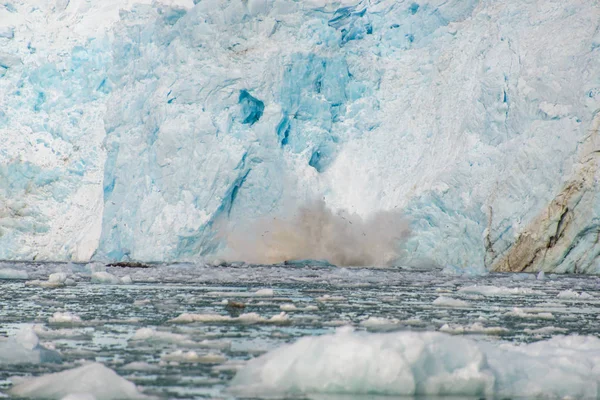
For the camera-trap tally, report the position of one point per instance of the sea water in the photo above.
(185, 330)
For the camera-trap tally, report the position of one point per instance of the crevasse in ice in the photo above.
(132, 131)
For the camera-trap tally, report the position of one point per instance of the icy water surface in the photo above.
(185, 353)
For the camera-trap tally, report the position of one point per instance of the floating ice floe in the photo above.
(57, 279)
(424, 363)
(547, 330)
(92, 380)
(520, 313)
(193, 357)
(46, 333)
(570, 294)
(288, 307)
(149, 334)
(498, 290)
(248, 318)
(13, 274)
(24, 348)
(105, 278)
(473, 328)
(64, 318)
(444, 301)
(140, 366)
(379, 322)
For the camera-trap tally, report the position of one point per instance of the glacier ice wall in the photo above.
(135, 129)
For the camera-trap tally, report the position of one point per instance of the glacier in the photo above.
(134, 130)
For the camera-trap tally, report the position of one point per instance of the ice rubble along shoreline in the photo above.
(424, 363)
(131, 131)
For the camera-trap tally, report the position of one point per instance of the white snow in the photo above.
(426, 364)
(93, 379)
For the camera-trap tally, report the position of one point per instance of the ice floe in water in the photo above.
(473, 328)
(424, 363)
(64, 318)
(93, 380)
(10, 274)
(24, 348)
(248, 318)
(570, 294)
(106, 278)
(498, 291)
(444, 301)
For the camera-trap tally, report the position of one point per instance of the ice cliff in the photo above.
(134, 130)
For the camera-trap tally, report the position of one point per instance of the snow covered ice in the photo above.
(417, 363)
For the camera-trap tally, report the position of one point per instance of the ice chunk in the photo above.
(57, 278)
(9, 274)
(520, 313)
(24, 348)
(93, 379)
(498, 291)
(264, 292)
(149, 334)
(570, 294)
(64, 318)
(106, 278)
(424, 364)
(444, 301)
(473, 328)
(248, 318)
(193, 357)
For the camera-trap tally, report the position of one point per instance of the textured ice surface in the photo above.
(416, 363)
(24, 348)
(92, 379)
(135, 130)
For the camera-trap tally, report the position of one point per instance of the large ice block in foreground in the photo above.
(142, 130)
(92, 380)
(424, 363)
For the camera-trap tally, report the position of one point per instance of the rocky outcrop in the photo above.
(565, 236)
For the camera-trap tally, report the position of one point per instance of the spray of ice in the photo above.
(317, 233)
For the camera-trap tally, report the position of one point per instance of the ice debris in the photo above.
(424, 363)
(444, 301)
(93, 379)
(13, 274)
(24, 348)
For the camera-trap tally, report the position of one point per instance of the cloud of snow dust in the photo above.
(317, 233)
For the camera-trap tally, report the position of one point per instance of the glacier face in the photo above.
(136, 129)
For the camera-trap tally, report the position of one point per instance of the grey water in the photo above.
(198, 359)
